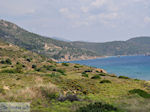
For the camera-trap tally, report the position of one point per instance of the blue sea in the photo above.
(131, 66)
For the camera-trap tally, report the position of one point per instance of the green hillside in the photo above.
(139, 45)
(64, 87)
(58, 50)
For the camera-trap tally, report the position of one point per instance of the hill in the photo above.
(64, 87)
(134, 46)
(58, 50)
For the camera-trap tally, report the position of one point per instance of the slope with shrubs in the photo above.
(66, 87)
(133, 46)
(58, 50)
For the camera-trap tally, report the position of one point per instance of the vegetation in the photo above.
(98, 107)
(65, 64)
(129, 47)
(105, 81)
(55, 87)
(56, 49)
(140, 92)
(123, 77)
(96, 77)
(85, 75)
(7, 61)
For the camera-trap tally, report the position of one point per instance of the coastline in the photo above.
(95, 57)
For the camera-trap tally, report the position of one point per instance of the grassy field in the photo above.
(66, 87)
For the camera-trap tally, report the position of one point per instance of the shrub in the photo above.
(23, 66)
(2, 91)
(61, 71)
(137, 79)
(8, 71)
(2, 62)
(48, 67)
(105, 81)
(124, 77)
(34, 66)
(71, 98)
(140, 92)
(88, 70)
(50, 93)
(98, 107)
(102, 74)
(18, 69)
(65, 64)
(54, 75)
(96, 77)
(8, 61)
(76, 66)
(29, 60)
(85, 75)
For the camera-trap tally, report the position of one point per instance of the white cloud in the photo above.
(85, 9)
(67, 13)
(108, 16)
(64, 10)
(98, 3)
(147, 19)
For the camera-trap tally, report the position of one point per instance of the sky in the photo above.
(80, 20)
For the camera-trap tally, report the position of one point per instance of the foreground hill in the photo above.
(64, 87)
(58, 50)
(134, 46)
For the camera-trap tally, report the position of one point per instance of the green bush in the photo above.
(8, 71)
(7, 61)
(48, 93)
(70, 98)
(85, 75)
(65, 64)
(124, 77)
(98, 107)
(96, 77)
(19, 69)
(49, 67)
(88, 70)
(29, 60)
(61, 71)
(54, 75)
(105, 81)
(76, 66)
(34, 66)
(102, 74)
(140, 92)
(2, 91)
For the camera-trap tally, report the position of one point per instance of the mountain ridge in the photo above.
(56, 49)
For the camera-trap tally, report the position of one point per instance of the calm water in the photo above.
(131, 66)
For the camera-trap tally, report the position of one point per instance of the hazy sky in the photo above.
(88, 20)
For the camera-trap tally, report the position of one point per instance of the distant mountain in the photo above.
(138, 45)
(56, 49)
(61, 39)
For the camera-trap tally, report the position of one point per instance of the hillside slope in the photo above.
(58, 50)
(64, 87)
(139, 45)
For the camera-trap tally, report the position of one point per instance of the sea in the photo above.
(137, 67)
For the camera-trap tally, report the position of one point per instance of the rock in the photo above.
(6, 87)
(101, 70)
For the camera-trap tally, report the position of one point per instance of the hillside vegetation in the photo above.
(134, 46)
(58, 50)
(64, 87)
